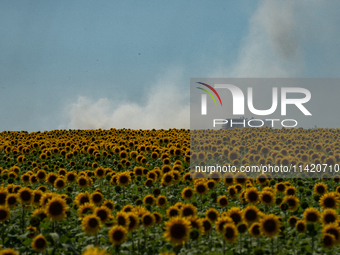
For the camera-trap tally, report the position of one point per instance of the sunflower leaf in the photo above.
(55, 237)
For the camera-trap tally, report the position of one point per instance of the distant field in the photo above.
(131, 192)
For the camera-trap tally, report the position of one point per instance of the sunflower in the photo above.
(267, 198)
(223, 201)
(11, 200)
(32, 231)
(158, 217)
(33, 179)
(162, 201)
(117, 235)
(59, 183)
(173, 211)
(3, 196)
(40, 212)
(292, 220)
(123, 219)
(236, 214)
(301, 226)
(320, 188)
(91, 224)
(230, 233)
(187, 193)
(148, 220)
(95, 251)
(168, 178)
(109, 204)
(25, 178)
(123, 179)
(56, 209)
(334, 230)
(328, 240)
(140, 210)
(71, 177)
(134, 221)
(99, 172)
(329, 200)
(25, 196)
(51, 177)
(290, 191)
(96, 198)
(261, 179)
(84, 209)
(211, 184)
(148, 182)
(9, 251)
(207, 225)
(292, 202)
(329, 216)
(212, 214)
(251, 214)
(103, 213)
(311, 215)
(5, 214)
(252, 195)
(127, 208)
(270, 225)
(149, 200)
(280, 187)
(82, 198)
(39, 243)
(177, 230)
(83, 181)
(201, 188)
(42, 188)
(45, 198)
(221, 221)
(255, 230)
(37, 195)
(188, 210)
(232, 191)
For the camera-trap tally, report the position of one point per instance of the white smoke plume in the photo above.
(166, 107)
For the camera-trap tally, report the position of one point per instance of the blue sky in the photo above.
(86, 64)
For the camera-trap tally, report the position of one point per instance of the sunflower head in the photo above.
(270, 225)
(123, 219)
(56, 209)
(188, 210)
(5, 214)
(177, 230)
(187, 193)
(91, 224)
(103, 213)
(39, 243)
(252, 195)
(251, 214)
(117, 235)
(230, 233)
(329, 200)
(311, 215)
(25, 196)
(255, 230)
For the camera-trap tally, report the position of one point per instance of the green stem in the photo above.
(23, 219)
(272, 246)
(223, 247)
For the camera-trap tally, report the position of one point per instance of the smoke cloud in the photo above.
(166, 107)
(283, 39)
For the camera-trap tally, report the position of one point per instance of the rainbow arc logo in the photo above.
(209, 93)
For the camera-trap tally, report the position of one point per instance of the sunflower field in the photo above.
(123, 191)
